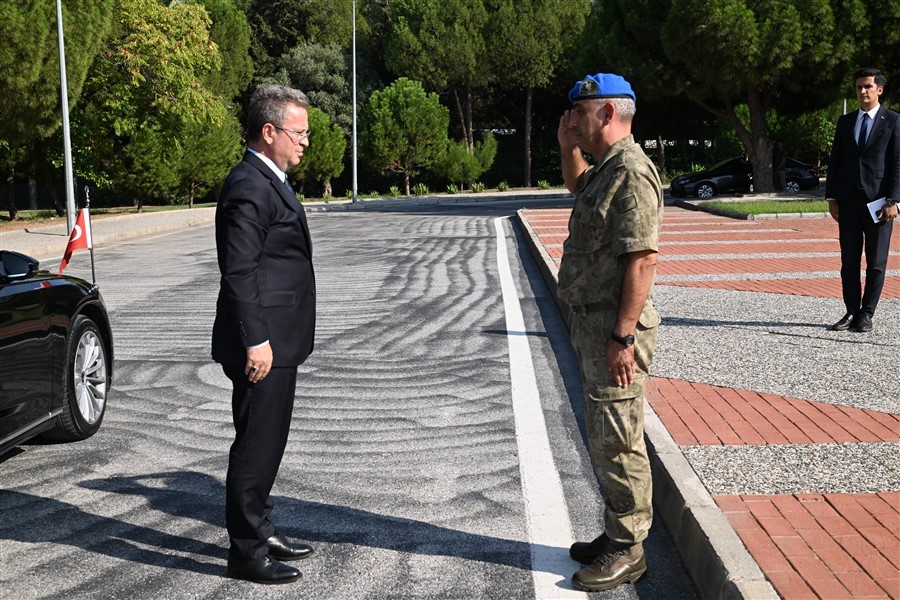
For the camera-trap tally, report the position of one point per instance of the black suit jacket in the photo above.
(268, 286)
(876, 167)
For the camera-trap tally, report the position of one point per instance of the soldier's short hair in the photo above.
(625, 108)
(268, 104)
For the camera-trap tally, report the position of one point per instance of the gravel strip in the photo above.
(797, 469)
(778, 344)
(759, 276)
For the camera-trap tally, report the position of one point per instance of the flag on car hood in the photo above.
(79, 238)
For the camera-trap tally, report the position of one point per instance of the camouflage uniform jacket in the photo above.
(618, 210)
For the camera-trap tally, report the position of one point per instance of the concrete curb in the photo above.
(714, 556)
(390, 203)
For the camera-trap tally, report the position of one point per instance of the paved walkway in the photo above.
(809, 545)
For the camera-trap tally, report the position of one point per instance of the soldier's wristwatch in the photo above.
(627, 340)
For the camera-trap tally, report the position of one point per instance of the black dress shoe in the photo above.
(281, 549)
(862, 323)
(262, 570)
(587, 552)
(844, 323)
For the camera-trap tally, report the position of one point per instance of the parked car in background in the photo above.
(56, 354)
(735, 175)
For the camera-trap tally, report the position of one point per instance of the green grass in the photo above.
(761, 207)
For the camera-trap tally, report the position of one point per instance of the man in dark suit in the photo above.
(864, 166)
(265, 323)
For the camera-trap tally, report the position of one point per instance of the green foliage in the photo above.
(210, 150)
(405, 129)
(543, 184)
(452, 188)
(394, 191)
(230, 30)
(762, 207)
(29, 62)
(458, 165)
(321, 71)
(323, 160)
(145, 95)
(478, 187)
(420, 189)
(502, 187)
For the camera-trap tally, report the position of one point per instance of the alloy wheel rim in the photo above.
(90, 377)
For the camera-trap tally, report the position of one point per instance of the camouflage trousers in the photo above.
(615, 426)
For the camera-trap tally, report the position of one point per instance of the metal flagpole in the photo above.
(89, 232)
(67, 141)
(353, 143)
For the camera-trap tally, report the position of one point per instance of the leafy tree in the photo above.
(790, 56)
(321, 72)
(209, 151)
(231, 33)
(528, 39)
(29, 70)
(324, 159)
(441, 43)
(143, 93)
(405, 129)
(458, 165)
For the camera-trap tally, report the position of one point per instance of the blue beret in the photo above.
(601, 85)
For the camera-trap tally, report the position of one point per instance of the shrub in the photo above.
(452, 188)
(420, 189)
(502, 187)
(543, 184)
(477, 187)
(394, 191)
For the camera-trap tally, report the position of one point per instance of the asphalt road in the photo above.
(413, 465)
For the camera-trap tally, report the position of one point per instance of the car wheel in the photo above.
(86, 383)
(706, 190)
(792, 185)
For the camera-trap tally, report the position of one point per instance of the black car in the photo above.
(735, 175)
(56, 354)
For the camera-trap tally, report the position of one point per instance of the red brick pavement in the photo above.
(686, 233)
(808, 545)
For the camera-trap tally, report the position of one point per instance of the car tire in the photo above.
(792, 185)
(87, 380)
(706, 190)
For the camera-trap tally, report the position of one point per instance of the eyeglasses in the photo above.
(300, 135)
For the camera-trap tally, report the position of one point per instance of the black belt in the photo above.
(583, 309)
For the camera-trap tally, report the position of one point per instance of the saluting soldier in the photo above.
(606, 276)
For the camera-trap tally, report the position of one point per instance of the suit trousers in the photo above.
(857, 232)
(262, 420)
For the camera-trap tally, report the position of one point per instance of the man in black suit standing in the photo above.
(864, 166)
(265, 323)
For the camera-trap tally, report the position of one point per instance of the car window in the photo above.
(14, 265)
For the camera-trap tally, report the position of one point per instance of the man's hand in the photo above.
(620, 361)
(259, 363)
(889, 212)
(833, 208)
(565, 134)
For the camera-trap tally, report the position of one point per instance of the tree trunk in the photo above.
(406, 181)
(191, 196)
(661, 153)
(54, 197)
(459, 113)
(760, 150)
(32, 194)
(327, 191)
(528, 99)
(470, 127)
(11, 194)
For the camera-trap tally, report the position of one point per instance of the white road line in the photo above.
(549, 528)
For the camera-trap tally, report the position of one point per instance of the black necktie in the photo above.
(863, 130)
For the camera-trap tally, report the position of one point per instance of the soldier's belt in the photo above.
(583, 309)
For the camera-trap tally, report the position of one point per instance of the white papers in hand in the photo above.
(874, 207)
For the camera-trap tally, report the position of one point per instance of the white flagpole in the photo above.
(67, 142)
(353, 143)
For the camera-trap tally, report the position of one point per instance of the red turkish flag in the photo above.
(79, 238)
